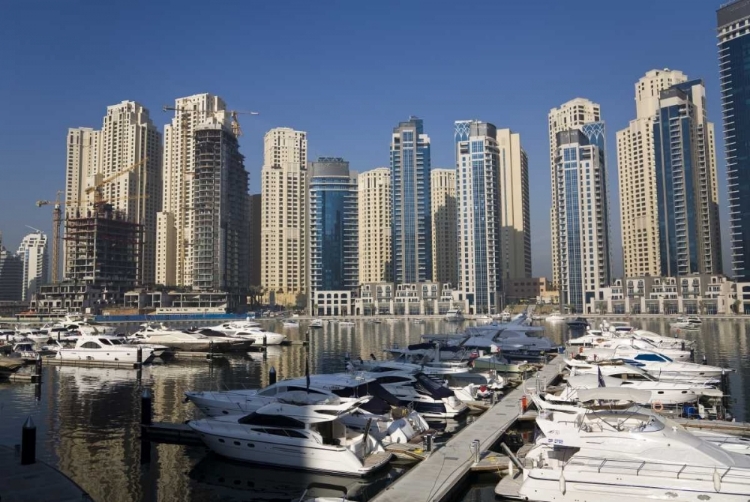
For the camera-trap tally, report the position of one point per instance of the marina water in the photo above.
(88, 418)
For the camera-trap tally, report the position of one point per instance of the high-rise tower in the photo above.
(410, 188)
(33, 252)
(284, 214)
(478, 192)
(444, 227)
(375, 216)
(733, 27)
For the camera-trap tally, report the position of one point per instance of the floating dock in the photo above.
(39, 481)
(438, 477)
(53, 361)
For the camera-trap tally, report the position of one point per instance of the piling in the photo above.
(38, 368)
(272, 376)
(28, 442)
(139, 355)
(428, 442)
(705, 359)
(475, 448)
(146, 402)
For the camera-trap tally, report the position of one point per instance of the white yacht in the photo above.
(376, 412)
(309, 437)
(618, 326)
(153, 333)
(498, 363)
(622, 348)
(249, 330)
(626, 455)
(35, 335)
(454, 315)
(665, 368)
(316, 323)
(555, 316)
(290, 323)
(685, 323)
(82, 324)
(104, 348)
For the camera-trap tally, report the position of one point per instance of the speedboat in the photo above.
(316, 323)
(104, 348)
(290, 323)
(555, 316)
(310, 437)
(615, 455)
(454, 315)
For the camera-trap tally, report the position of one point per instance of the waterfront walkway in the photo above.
(37, 482)
(436, 478)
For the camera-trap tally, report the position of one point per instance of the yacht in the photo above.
(82, 324)
(316, 323)
(249, 330)
(685, 323)
(555, 317)
(454, 315)
(578, 323)
(483, 319)
(695, 319)
(34, 335)
(24, 351)
(290, 323)
(104, 348)
(613, 455)
(618, 348)
(618, 326)
(309, 437)
(152, 333)
(665, 368)
(376, 412)
(498, 363)
(346, 324)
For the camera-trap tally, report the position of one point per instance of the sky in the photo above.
(345, 72)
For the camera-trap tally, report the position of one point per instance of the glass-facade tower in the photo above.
(410, 196)
(733, 26)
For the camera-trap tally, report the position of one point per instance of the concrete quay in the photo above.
(438, 477)
(37, 482)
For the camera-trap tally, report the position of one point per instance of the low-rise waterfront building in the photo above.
(526, 290)
(424, 298)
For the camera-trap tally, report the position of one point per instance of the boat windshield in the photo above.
(104, 341)
(271, 420)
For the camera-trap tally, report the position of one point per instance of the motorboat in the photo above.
(82, 324)
(24, 351)
(665, 368)
(694, 319)
(617, 326)
(685, 323)
(347, 324)
(290, 323)
(104, 348)
(512, 343)
(376, 413)
(154, 333)
(249, 330)
(454, 315)
(627, 371)
(633, 454)
(578, 323)
(308, 437)
(555, 316)
(483, 318)
(619, 348)
(34, 335)
(236, 343)
(316, 323)
(500, 364)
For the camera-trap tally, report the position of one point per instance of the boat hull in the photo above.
(104, 355)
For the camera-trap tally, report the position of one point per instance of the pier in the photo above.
(438, 477)
(37, 481)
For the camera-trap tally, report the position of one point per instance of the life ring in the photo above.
(657, 406)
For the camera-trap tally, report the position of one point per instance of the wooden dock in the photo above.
(83, 363)
(19, 377)
(438, 477)
(38, 482)
(164, 432)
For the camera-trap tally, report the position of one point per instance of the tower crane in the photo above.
(97, 186)
(56, 223)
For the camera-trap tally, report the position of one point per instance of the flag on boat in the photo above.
(600, 377)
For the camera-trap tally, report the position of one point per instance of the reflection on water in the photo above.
(87, 418)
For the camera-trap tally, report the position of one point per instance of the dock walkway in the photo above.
(37, 482)
(436, 478)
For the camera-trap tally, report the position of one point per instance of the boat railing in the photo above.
(738, 475)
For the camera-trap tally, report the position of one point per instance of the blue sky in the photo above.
(345, 72)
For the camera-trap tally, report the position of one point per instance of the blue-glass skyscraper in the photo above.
(733, 22)
(333, 236)
(410, 182)
(688, 214)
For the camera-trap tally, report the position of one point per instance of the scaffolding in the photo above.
(104, 249)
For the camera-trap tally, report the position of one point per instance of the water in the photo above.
(87, 418)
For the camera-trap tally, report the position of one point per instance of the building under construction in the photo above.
(103, 249)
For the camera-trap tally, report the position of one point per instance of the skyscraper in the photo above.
(686, 185)
(175, 254)
(570, 115)
(284, 214)
(636, 164)
(255, 245)
(221, 237)
(124, 159)
(33, 253)
(375, 213)
(733, 26)
(410, 188)
(478, 193)
(515, 214)
(444, 230)
(333, 251)
(11, 275)
(583, 214)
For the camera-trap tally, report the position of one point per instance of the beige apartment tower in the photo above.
(570, 115)
(444, 228)
(515, 216)
(636, 166)
(374, 208)
(123, 159)
(283, 215)
(174, 266)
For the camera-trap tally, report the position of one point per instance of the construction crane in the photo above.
(97, 186)
(56, 223)
(236, 129)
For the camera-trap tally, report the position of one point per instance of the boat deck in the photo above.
(375, 459)
(509, 486)
(38, 482)
(436, 478)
